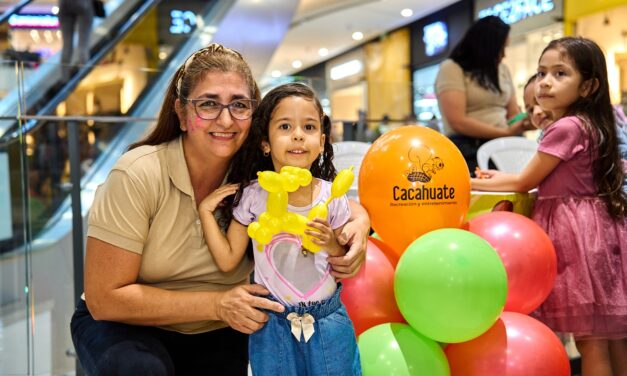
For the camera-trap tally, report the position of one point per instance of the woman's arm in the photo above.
(113, 294)
(453, 107)
(355, 235)
(538, 168)
(512, 107)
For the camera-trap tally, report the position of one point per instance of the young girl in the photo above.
(580, 203)
(314, 335)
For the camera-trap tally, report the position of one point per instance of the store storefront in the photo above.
(608, 18)
(432, 39)
(534, 23)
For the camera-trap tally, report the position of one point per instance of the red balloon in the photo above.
(527, 253)
(369, 296)
(386, 249)
(516, 345)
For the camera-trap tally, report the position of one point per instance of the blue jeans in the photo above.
(110, 349)
(331, 350)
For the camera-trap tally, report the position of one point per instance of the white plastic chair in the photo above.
(350, 153)
(509, 154)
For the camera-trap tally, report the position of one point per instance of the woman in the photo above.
(475, 91)
(155, 302)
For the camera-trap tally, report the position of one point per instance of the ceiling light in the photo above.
(323, 52)
(297, 64)
(358, 35)
(407, 12)
(276, 73)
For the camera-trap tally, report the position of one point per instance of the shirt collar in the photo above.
(177, 166)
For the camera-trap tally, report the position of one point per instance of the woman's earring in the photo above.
(266, 153)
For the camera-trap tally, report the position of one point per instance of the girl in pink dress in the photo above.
(581, 204)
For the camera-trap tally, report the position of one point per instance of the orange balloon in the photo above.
(413, 180)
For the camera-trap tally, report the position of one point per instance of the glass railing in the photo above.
(47, 180)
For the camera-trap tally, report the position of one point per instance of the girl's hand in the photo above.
(324, 236)
(489, 174)
(213, 200)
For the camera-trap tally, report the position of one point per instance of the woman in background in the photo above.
(475, 91)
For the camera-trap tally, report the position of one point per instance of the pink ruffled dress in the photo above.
(589, 298)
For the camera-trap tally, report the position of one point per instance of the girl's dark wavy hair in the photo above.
(598, 119)
(480, 50)
(250, 159)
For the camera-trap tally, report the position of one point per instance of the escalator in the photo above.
(125, 66)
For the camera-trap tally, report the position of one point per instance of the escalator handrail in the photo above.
(11, 11)
(84, 70)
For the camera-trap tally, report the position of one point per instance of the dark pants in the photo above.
(468, 146)
(111, 348)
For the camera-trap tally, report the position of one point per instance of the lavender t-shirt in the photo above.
(293, 278)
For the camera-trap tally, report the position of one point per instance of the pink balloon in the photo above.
(527, 253)
(369, 296)
(516, 345)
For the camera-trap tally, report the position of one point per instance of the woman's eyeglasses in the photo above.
(209, 109)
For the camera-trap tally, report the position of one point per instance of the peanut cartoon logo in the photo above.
(424, 164)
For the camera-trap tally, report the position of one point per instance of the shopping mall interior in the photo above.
(372, 63)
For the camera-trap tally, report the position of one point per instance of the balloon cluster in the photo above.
(434, 279)
(277, 219)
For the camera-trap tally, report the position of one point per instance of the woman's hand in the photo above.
(213, 200)
(354, 234)
(241, 308)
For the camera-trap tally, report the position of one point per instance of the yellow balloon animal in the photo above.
(277, 219)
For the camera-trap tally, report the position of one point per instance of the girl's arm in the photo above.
(538, 168)
(227, 251)
(453, 107)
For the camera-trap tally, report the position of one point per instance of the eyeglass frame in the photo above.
(193, 101)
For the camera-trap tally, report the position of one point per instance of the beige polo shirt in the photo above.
(147, 206)
(486, 105)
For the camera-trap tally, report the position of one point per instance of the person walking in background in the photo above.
(581, 204)
(75, 16)
(475, 91)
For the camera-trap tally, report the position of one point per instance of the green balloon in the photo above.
(450, 285)
(394, 349)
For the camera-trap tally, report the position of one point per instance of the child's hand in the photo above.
(324, 236)
(486, 174)
(213, 200)
(480, 174)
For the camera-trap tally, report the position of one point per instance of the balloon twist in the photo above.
(277, 219)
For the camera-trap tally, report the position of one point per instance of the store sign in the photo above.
(33, 21)
(182, 21)
(512, 11)
(435, 38)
